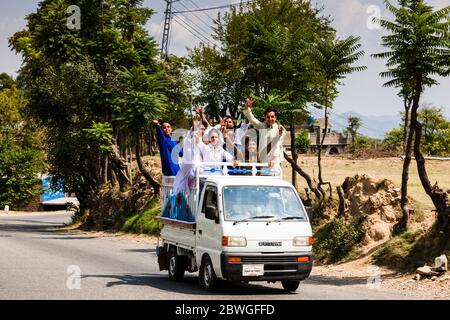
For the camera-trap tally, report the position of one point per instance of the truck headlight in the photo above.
(234, 241)
(303, 241)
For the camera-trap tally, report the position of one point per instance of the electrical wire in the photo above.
(212, 8)
(190, 30)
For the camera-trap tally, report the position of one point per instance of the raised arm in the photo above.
(199, 111)
(159, 132)
(249, 115)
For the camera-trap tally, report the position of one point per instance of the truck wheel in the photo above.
(207, 276)
(291, 285)
(176, 267)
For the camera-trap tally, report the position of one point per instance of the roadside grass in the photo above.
(143, 223)
(413, 249)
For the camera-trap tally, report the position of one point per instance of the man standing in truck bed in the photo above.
(271, 134)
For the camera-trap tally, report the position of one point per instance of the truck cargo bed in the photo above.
(183, 237)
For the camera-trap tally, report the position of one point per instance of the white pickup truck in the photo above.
(246, 228)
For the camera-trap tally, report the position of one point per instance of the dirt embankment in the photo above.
(379, 201)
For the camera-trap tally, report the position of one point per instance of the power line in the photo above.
(201, 31)
(195, 5)
(212, 8)
(198, 18)
(183, 19)
(188, 28)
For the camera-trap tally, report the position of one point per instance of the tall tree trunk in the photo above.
(407, 101)
(319, 160)
(105, 169)
(306, 176)
(402, 225)
(120, 167)
(145, 172)
(294, 154)
(438, 196)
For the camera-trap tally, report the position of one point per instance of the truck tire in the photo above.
(290, 285)
(207, 276)
(176, 266)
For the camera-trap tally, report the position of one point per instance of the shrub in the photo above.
(337, 239)
(18, 174)
(302, 142)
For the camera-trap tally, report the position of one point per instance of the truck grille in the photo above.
(268, 259)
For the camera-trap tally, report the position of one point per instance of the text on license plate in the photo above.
(252, 270)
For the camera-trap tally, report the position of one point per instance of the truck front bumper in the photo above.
(277, 267)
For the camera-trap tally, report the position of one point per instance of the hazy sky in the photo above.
(362, 92)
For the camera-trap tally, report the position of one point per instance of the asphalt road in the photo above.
(39, 261)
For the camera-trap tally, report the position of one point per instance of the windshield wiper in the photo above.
(252, 218)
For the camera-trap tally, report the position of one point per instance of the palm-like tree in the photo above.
(419, 43)
(332, 62)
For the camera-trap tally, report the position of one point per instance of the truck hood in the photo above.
(267, 230)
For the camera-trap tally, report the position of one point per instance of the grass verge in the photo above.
(413, 249)
(144, 223)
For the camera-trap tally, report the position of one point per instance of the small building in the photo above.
(334, 143)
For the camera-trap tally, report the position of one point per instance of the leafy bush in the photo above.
(302, 142)
(336, 240)
(18, 174)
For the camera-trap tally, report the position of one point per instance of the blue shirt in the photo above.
(166, 145)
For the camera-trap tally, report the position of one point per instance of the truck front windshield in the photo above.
(261, 202)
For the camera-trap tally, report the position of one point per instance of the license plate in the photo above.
(252, 270)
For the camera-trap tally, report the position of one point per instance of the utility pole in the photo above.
(166, 31)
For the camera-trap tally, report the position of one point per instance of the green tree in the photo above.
(435, 131)
(19, 168)
(262, 53)
(418, 50)
(393, 139)
(77, 90)
(303, 143)
(332, 61)
(21, 149)
(6, 81)
(354, 123)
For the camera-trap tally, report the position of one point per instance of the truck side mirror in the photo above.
(212, 214)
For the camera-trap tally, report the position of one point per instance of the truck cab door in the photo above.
(209, 231)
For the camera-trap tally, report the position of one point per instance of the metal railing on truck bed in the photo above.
(183, 206)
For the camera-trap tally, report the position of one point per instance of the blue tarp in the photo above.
(177, 208)
(52, 192)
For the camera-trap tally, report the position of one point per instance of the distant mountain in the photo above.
(372, 126)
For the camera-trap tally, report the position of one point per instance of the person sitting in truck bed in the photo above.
(214, 152)
(232, 137)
